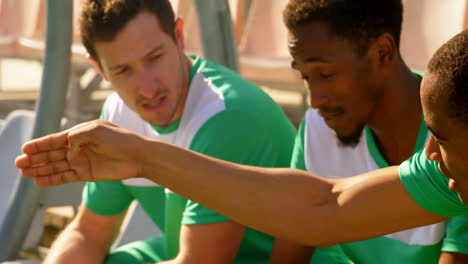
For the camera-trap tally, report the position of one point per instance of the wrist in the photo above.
(140, 156)
(146, 151)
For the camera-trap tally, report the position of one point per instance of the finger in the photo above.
(52, 141)
(46, 169)
(25, 161)
(22, 161)
(90, 133)
(56, 179)
(47, 143)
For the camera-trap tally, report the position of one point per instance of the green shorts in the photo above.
(139, 252)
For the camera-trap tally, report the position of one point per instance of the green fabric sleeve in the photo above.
(298, 158)
(102, 115)
(233, 136)
(330, 255)
(428, 187)
(100, 197)
(456, 235)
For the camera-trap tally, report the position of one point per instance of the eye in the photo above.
(326, 75)
(156, 56)
(438, 141)
(121, 71)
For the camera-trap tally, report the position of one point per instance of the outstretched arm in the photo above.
(287, 203)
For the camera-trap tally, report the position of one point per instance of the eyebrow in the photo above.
(158, 47)
(310, 60)
(315, 59)
(434, 133)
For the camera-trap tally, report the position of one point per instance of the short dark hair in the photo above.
(450, 65)
(359, 21)
(101, 20)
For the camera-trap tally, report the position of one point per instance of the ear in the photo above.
(98, 67)
(179, 32)
(384, 49)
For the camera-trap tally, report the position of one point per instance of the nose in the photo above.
(148, 85)
(433, 150)
(317, 101)
(317, 97)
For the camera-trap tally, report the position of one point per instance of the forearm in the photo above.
(246, 194)
(72, 247)
(172, 261)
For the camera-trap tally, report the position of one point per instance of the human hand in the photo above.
(92, 151)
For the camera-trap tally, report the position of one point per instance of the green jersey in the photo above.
(225, 117)
(317, 150)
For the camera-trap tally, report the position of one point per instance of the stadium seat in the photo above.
(263, 54)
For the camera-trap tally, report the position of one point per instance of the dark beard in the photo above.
(350, 140)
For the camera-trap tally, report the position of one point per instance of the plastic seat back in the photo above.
(427, 24)
(263, 51)
(16, 130)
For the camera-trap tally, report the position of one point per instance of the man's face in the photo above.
(148, 69)
(448, 144)
(340, 81)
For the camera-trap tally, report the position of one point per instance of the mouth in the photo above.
(331, 117)
(444, 170)
(452, 184)
(329, 112)
(155, 104)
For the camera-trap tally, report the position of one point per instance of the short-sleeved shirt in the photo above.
(318, 151)
(429, 187)
(225, 117)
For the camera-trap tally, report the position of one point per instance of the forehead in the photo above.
(436, 108)
(315, 40)
(434, 99)
(139, 36)
(434, 95)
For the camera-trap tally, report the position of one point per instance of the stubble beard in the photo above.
(351, 140)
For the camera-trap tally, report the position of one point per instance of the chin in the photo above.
(160, 123)
(352, 139)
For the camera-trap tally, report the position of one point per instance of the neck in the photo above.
(186, 65)
(395, 123)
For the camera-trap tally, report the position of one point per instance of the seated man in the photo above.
(187, 101)
(427, 188)
(366, 115)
